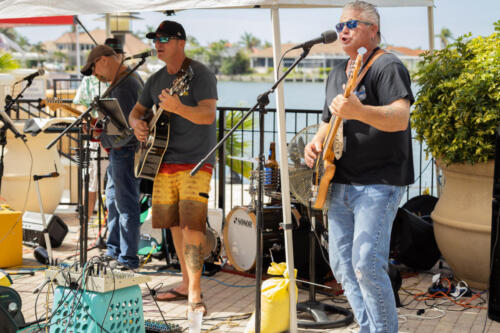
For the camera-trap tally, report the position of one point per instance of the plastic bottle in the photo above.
(194, 321)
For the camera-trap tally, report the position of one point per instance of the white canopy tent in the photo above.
(29, 8)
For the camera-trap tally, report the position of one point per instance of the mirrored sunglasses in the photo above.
(163, 39)
(352, 24)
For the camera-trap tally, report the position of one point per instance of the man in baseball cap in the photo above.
(94, 55)
(115, 44)
(168, 29)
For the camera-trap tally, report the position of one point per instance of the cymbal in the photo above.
(254, 160)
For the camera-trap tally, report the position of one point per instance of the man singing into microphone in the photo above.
(122, 189)
(179, 199)
(375, 167)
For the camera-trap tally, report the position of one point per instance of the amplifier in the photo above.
(33, 229)
(11, 247)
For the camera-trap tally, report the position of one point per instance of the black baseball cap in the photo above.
(115, 44)
(168, 29)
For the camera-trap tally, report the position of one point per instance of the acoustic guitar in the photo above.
(325, 167)
(150, 153)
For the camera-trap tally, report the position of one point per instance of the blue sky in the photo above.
(399, 26)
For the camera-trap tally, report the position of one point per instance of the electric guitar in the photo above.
(149, 155)
(54, 103)
(325, 167)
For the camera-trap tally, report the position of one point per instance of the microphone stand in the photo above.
(262, 101)
(83, 211)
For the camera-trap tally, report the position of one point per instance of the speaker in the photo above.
(412, 237)
(33, 229)
(494, 289)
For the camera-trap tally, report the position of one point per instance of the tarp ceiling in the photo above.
(30, 8)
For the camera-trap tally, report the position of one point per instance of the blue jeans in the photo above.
(122, 201)
(360, 222)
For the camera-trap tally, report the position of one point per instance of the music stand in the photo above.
(111, 114)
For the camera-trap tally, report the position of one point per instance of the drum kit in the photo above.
(239, 229)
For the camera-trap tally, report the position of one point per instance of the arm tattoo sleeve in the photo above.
(193, 256)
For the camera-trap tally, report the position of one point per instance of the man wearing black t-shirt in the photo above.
(371, 175)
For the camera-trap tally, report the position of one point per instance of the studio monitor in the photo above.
(33, 229)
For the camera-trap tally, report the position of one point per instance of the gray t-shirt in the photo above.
(188, 142)
(372, 156)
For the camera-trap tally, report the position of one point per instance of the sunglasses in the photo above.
(352, 24)
(163, 39)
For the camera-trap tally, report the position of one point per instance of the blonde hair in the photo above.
(369, 11)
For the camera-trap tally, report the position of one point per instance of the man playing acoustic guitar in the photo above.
(180, 200)
(375, 167)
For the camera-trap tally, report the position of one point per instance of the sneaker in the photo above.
(115, 264)
(107, 258)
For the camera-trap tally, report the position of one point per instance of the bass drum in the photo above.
(240, 236)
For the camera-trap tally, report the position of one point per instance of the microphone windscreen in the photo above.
(329, 36)
(41, 71)
(153, 52)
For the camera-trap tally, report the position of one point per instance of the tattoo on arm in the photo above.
(193, 256)
(389, 111)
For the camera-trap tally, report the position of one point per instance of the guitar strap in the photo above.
(338, 145)
(184, 67)
(370, 62)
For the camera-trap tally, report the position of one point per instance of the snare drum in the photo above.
(212, 246)
(240, 236)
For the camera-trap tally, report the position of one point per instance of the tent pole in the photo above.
(283, 157)
(77, 42)
(430, 23)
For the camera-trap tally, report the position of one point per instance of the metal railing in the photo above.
(229, 188)
(296, 120)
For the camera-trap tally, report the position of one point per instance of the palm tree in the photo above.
(249, 41)
(445, 37)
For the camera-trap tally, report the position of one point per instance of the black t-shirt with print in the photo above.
(372, 156)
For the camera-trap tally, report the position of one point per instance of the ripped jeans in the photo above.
(360, 221)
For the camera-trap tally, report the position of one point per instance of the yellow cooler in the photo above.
(11, 237)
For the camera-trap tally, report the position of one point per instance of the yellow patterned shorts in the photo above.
(180, 199)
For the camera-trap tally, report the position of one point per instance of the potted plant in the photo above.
(456, 113)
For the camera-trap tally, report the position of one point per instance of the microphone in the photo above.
(326, 37)
(30, 77)
(142, 55)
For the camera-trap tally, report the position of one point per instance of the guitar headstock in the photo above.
(56, 103)
(180, 86)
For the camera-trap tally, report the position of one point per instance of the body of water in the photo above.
(305, 95)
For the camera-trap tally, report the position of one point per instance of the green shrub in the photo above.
(457, 109)
(7, 62)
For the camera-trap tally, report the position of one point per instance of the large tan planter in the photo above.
(462, 221)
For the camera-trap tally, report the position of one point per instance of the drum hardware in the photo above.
(252, 189)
